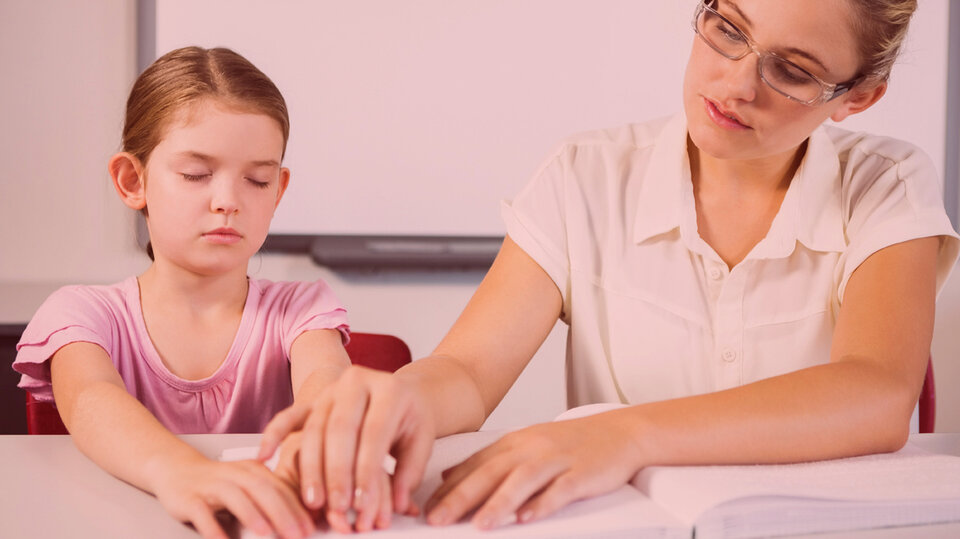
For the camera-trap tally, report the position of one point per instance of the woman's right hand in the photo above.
(260, 500)
(347, 432)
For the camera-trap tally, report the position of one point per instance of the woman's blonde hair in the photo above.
(881, 26)
(184, 76)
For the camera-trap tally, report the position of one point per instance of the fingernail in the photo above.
(294, 531)
(438, 516)
(358, 498)
(311, 495)
(339, 500)
(526, 516)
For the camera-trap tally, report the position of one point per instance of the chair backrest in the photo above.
(374, 350)
(928, 400)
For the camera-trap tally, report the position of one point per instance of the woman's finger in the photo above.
(455, 499)
(386, 503)
(340, 436)
(523, 482)
(312, 485)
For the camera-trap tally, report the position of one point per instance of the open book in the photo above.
(909, 487)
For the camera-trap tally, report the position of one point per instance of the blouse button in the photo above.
(729, 355)
(715, 274)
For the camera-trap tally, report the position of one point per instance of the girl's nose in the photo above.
(224, 198)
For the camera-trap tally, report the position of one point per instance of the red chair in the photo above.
(374, 350)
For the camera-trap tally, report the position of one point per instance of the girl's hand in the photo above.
(533, 472)
(347, 432)
(260, 500)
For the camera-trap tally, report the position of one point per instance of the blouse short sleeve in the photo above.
(535, 220)
(305, 306)
(892, 195)
(71, 314)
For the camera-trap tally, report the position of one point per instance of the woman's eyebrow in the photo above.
(804, 54)
(743, 16)
(789, 50)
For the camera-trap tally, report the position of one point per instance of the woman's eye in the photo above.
(194, 177)
(729, 33)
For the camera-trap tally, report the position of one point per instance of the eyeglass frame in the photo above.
(828, 90)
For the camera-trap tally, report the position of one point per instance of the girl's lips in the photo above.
(223, 236)
(721, 119)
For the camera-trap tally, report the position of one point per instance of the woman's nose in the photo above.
(743, 77)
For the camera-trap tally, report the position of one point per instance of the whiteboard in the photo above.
(416, 117)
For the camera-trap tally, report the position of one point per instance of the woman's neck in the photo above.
(749, 177)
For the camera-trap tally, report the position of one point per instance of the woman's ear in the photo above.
(859, 100)
(127, 173)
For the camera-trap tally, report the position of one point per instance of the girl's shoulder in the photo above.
(90, 303)
(285, 296)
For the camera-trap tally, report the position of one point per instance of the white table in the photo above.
(50, 489)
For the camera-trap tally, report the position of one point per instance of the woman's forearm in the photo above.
(843, 408)
(451, 392)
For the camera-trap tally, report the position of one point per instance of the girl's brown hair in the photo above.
(881, 26)
(184, 76)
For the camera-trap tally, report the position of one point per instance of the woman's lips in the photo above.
(724, 120)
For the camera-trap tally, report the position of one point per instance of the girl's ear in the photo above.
(859, 100)
(127, 173)
(284, 181)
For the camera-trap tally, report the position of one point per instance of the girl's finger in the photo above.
(282, 424)
(278, 501)
(201, 516)
(233, 498)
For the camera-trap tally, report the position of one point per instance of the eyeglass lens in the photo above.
(780, 74)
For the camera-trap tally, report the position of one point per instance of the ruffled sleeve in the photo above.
(71, 314)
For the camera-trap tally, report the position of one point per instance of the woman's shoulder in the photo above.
(623, 137)
(855, 147)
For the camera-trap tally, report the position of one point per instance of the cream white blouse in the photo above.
(653, 311)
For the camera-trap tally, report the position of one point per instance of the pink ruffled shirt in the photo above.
(250, 386)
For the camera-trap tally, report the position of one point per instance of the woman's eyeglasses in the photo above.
(782, 75)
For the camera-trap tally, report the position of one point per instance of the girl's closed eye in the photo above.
(195, 177)
(258, 183)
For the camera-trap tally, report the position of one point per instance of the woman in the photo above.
(756, 287)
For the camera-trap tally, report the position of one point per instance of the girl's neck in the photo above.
(175, 288)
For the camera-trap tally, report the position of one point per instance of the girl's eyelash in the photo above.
(258, 183)
(193, 177)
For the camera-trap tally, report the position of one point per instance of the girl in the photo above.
(756, 287)
(192, 345)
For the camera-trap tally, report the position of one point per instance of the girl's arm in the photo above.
(115, 430)
(860, 402)
(317, 359)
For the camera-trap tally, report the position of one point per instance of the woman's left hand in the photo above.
(531, 473)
